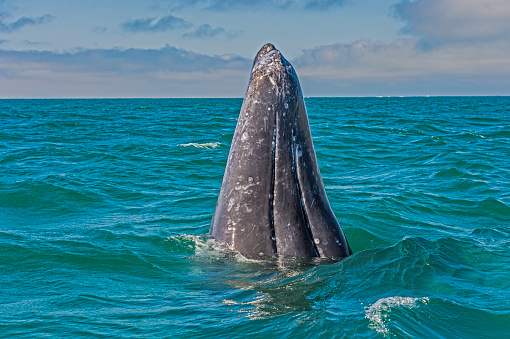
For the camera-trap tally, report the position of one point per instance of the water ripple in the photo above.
(105, 206)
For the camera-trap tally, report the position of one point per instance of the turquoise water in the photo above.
(105, 206)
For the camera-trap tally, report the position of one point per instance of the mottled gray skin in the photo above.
(272, 200)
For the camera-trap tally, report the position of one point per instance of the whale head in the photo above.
(272, 200)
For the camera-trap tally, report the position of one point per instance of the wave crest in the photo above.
(207, 145)
(377, 313)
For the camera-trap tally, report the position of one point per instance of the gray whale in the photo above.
(272, 200)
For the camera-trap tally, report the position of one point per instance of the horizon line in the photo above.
(305, 97)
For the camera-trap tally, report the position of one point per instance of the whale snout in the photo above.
(263, 51)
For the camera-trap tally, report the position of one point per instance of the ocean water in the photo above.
(105, 206)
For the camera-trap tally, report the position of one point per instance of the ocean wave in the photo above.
(377, 313)
(208, 145)
(500, 135)
(207, 249)
(189, 243)
(103, 230)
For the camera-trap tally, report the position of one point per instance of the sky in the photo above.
(205, 48)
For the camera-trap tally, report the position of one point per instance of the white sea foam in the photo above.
(208, 145)
(203, 247)
(378, 312)
(208, 249)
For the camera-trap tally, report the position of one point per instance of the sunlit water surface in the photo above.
(105, 206)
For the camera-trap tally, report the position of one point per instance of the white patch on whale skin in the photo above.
(272, 81)
(266, 123)
(231, 203)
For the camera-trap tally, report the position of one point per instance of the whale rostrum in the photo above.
(272, 200)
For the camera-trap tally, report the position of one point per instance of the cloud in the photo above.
(23, 22)
(170, 23)
(100, 29)
(131, 60)
(454, 21)
(363, 67)
(206, 31)
(166, 23)
(323, 5)
(402, 58)
(226, 5)
(164, 72)
(34, 43)
(452, 47)
(403, 67)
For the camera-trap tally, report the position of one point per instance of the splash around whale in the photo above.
(272, 200)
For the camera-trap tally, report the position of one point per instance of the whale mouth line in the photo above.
(300, 192)
(271, 196)
(294, 152)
